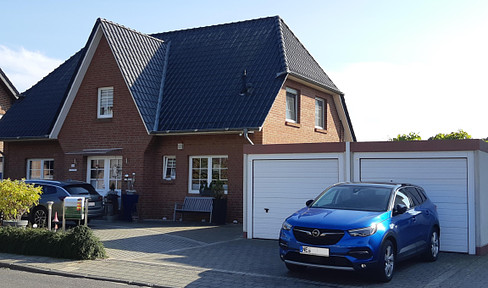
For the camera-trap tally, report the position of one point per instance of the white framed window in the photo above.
(104, 173)
(105, 102)
(169, 167)
(291, 105)
(205, 169)
(40, 169)
(319, 113)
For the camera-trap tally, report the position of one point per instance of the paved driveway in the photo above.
(220, 252)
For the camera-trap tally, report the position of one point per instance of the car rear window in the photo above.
(80, 189)
(354, 197)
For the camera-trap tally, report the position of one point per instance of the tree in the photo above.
(460, 134)
(412, 136)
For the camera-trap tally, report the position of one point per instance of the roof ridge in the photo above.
(216, 25)
(129, 29)
(282, 45)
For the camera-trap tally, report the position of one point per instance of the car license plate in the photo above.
(91, 204)
(317, 251)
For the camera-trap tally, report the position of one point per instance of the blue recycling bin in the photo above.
(129, 202)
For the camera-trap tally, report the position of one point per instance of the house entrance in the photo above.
(105, 173)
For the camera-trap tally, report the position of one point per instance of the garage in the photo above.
(446, 183)
(282, 186)
(280, 178)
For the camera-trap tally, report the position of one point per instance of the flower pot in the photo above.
(16, 223)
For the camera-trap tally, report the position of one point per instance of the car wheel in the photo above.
(386, 262)
(295, 268)
(432, 249)
(39, 216)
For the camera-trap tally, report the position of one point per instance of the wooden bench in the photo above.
(194, 204)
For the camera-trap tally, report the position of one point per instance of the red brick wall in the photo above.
(163, 194)
(6, 98)
(17, 153)
(276, 130)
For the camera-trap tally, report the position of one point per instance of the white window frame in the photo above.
(42, 160)
(99, 106)
(295, 105)
(209, 171)
(320, 115)
(172, 166)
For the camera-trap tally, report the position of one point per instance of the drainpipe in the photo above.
(246, 135)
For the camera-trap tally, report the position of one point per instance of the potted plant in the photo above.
(16, 198)
(219, 211)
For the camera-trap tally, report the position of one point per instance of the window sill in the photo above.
(292, 124)
(320, 130)
(168, 181)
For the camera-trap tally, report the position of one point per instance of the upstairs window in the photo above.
(291, 105)
(105, 102)
(319, 113)
(169, 169)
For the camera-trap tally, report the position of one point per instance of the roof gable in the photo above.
(6, 82)
(141, 59)
(300, 63)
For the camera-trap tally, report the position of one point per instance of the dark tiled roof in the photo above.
(34, 113)
(205, 79)
(216, 78)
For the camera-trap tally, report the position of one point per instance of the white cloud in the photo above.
(25, 68)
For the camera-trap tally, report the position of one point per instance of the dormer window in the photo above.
(105, 102)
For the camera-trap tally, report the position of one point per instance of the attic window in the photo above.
(105, 102)
(291, 105)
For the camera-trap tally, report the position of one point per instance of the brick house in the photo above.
(8, 94)
(175, 109)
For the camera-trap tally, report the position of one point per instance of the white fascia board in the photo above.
(80, 75)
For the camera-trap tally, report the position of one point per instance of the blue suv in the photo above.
(361, 227)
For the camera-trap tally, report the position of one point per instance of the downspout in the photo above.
(161, 89)
(246, 135)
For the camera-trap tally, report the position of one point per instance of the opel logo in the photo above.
(316, 233)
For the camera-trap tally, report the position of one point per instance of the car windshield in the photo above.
(354, 197)
(80, 189)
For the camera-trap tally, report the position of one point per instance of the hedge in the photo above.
(77, 243)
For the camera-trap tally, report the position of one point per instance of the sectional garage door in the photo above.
(280, 187)
(446, 183)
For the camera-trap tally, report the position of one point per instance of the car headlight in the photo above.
(363, 232)
(286, 226)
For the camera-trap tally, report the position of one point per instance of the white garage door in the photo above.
(281, 187)
(446, 183)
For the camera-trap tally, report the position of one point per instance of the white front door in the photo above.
(104, 173)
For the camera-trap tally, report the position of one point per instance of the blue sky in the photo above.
(404, 66)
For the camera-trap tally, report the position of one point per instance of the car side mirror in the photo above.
(399, 209)
(308, 203)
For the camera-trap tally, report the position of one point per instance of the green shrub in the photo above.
(17, 197)
(78, 243)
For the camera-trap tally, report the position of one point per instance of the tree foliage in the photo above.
(17, 197)
(412, 136)
(460, 134)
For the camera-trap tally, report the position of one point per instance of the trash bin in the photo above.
(112, 202)
(129, 202)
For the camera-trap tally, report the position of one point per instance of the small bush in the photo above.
(78, 243)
